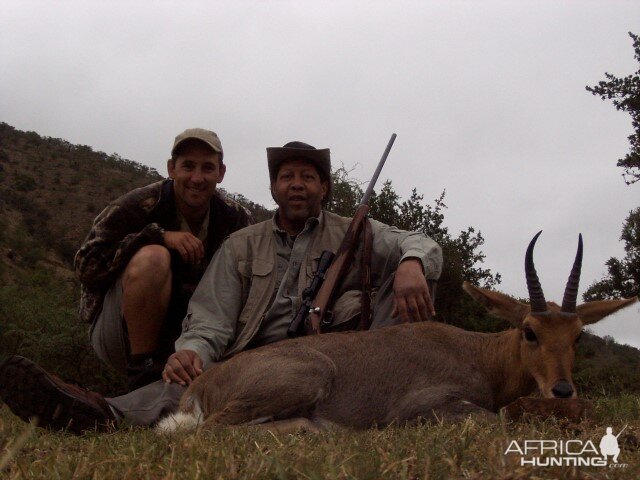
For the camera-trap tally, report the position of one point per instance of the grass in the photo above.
(472, 449)
(38, 320)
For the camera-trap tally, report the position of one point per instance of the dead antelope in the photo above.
(404, 372)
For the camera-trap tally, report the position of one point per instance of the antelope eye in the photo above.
(529, 335)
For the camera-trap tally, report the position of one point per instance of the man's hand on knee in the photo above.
(182, 367)
(411, 299)
(186, 244)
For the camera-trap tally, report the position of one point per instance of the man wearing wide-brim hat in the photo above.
(252, 289)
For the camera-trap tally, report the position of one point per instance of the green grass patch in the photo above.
(39, 320)
(472, 449)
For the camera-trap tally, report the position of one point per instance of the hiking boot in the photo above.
(30, 392)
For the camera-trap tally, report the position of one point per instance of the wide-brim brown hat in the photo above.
(206, 136)
(320, 158)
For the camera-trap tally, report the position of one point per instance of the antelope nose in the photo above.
(562, 389)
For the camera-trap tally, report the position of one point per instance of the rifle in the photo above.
(344, 257)
(295, 328)
(619, 433)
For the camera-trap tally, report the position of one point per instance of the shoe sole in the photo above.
(31, 393)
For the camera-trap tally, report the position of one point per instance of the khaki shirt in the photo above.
(242, 287)
(290, 253)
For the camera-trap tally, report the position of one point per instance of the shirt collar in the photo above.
(309, 225)
(204, 229)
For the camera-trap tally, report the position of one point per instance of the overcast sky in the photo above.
(487, 99)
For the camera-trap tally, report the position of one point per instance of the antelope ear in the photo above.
(498, 304)
(592, 312)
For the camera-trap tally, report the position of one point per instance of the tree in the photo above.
(623, 276)
(258, 212)
(625, 93)
(462, 254)
(346, 193)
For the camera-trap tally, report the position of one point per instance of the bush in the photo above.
(604, 367)
(25, 183)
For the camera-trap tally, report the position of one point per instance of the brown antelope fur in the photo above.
(398, 374)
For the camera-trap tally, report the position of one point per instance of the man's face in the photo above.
(298, 191)
(196, 172)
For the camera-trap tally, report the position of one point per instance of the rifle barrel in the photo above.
(620, 433)
(376, 174)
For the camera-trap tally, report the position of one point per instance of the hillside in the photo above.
(50, 192)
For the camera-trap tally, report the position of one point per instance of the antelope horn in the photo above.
(571, 290)
(536, 297)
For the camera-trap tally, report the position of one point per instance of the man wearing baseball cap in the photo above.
(147, 251)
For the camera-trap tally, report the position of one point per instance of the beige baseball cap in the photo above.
(206, 136)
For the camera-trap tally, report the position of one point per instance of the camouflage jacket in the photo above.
(137, 219)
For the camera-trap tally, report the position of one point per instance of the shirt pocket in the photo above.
(258, 277)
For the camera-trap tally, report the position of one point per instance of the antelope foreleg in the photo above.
(292, 425)
(440, 403)
(459, 410)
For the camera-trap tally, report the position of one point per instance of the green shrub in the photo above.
(604, 367)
